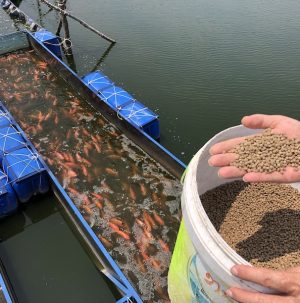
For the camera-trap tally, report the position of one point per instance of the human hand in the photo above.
(286, 283)
(221, 157)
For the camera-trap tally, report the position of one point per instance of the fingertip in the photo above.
(245, 178)
(229, 293)
(234, 270)
(229, 172)
(212, 151)
(222, 173)
(251, 120)
(245, 118)
(251, 177)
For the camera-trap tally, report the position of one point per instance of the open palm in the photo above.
(222, 157)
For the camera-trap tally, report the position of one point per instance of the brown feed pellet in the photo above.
(260, 221)
(267, 152)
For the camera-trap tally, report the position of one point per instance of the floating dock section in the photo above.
(22, 175)
(126, 106)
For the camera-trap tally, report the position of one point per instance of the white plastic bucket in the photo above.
(201, 261)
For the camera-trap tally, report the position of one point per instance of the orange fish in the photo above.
(86, 199)
(105, 242)
(111, 171)
(97, 146)
(158, 219)
(116, 229)
(73, 191)
(140, 264)
(132, 194)
(71, 173)
(140, 222)
(148, 218)
(84, 170)
(42, 65)
(56, 119)
(59, 156)
(87, 209)
(156, 264)
(85, 132)
(143, 189)
(99, 204)
(48, 115)
(71, 165)
(164, 246)
(116, 221)
(97, 196)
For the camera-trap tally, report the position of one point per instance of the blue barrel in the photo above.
(139, 115)
(116, 97)
(50, 41)
(8, 199)
(97, 81)
(10, 139)
(26, 173)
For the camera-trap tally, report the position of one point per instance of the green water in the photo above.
(44, 260)
(201, 64)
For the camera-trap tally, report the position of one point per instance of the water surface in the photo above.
(201, 64)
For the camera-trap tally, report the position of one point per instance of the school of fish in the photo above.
(130, 201)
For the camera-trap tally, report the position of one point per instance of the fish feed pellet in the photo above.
(260, 221)
(267, 153)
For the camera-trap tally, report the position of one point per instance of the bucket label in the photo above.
(189, 279)
(194, 279)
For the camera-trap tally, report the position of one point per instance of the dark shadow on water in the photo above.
(277, 236)
(37, 209)
(217, 202)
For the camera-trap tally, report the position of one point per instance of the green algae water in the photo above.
(200, 64)
(44, 259)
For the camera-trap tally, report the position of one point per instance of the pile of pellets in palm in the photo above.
(267, 153)
(260, 221)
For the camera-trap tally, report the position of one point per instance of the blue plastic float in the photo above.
(116, 96)
(10, 139)
(142, 117)
(8, 199)
(26, 173)
(123, 103)
(4, 118)
(50, 41)
(97, 81)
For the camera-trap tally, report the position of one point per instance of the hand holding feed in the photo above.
(223, 155)
(286, 283)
